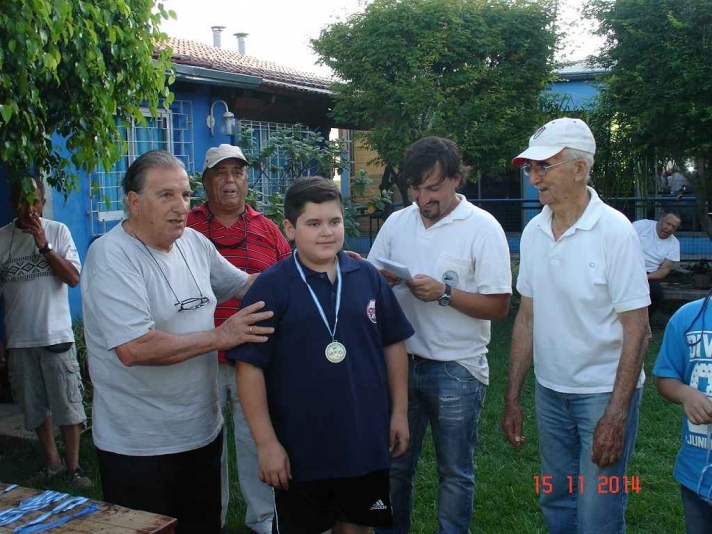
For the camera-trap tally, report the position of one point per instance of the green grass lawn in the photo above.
(505, 500)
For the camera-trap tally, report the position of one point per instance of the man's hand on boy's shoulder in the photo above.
(400, 435)
(242, 327)
(274, 465)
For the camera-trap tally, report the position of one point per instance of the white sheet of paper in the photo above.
(398, 269)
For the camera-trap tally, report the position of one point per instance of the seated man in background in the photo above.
(678, 183)
(661, 250)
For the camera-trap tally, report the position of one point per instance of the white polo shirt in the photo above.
(655, 250)
(466, 249)
(579, 284)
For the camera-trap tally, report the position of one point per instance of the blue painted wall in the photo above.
(6, 213)
(578, 94)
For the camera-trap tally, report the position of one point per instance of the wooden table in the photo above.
(109, 519)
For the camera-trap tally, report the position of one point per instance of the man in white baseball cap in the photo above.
(220, 153)
(554, 137)
(583, 322)
(252, 243)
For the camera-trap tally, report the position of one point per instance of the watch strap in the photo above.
(446, 297)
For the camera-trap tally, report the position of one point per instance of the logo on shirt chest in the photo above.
(371, 310)
(451, 278)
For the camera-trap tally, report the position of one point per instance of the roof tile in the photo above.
(197, 54)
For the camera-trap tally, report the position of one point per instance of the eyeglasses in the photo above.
(192, 303)
(541, 170)
(188, 304)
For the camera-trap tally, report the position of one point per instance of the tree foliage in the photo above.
(70, 68)
(660, 86)
(292, 152)
(471, 70)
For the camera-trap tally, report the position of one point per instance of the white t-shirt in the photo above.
(655, 250)
(36, 301)
(147, 410)
(466, 249)
(579, 284)
(677, 182)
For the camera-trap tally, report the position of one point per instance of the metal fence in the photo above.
(514, 214)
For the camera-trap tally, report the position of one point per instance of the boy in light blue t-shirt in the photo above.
(684, 371)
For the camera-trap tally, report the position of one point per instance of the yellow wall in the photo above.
(362, 156)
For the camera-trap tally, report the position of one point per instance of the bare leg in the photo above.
(350, 528)
(49, 447)
(70, 436)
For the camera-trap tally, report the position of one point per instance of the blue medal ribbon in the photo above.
(316, 300)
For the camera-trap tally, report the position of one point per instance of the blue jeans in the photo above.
(698, 513)
(447, 396)
(566, 425)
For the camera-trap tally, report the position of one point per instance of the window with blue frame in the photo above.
(171, 130)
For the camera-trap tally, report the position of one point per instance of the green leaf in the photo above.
(6, 112)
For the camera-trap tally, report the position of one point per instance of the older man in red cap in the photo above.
(583, 322)
(251, 242)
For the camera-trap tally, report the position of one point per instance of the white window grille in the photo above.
(271, 179)
(171, 130)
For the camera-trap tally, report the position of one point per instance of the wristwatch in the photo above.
(446, 298)
(47, 248)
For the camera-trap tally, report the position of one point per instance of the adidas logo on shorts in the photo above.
(378, 505)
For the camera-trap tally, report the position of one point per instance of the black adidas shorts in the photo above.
(314, 507)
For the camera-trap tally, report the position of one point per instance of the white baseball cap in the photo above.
(217, 154)
(555, 136)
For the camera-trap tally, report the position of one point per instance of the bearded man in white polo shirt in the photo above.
(661, 250)
(459, 257)
(583, 320)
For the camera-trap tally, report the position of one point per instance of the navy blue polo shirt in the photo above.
(333, 419)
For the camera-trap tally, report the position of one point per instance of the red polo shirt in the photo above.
(252, 244)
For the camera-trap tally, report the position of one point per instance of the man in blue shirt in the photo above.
(326, 396)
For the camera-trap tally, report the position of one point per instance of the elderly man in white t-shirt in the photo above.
(149, 291)
(583, 322)
(661, 250)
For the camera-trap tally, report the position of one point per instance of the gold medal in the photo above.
(335, 352)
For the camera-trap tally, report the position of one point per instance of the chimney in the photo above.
(217, 30)
(241, 41)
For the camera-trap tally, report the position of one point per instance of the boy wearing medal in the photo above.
(326, 396)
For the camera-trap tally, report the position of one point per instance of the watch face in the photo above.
(444, 300)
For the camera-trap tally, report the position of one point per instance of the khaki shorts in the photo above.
(45, 383)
